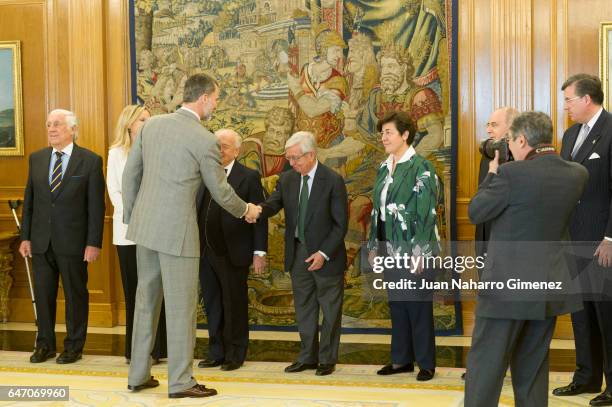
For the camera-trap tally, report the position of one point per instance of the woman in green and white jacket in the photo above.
(404, 221)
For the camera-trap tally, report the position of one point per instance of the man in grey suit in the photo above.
(529, 203)
(170, 158)
(315, 202)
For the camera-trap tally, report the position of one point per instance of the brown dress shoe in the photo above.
(199, 390)
(146, 385)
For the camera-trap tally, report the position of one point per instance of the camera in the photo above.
(489, 146)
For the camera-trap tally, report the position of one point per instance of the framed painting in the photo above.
(11, 112)
(605, 64)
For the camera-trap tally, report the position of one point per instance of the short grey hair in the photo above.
(535, 126)
(305, 139)
(71, 120)
(231, 132)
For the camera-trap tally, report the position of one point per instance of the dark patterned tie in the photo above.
(56, 174)
(303, 205)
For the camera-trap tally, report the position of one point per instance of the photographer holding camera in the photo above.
(528, 200)
(497, 129)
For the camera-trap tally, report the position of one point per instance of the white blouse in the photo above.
(117, 157)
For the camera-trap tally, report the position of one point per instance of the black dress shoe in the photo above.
(299, 367)
(41, 354)
(574, 388)
(325, 369)
(230, 366)
(389, 369)
(604, 399)
(199, 390)
(68, 356)
(425, 374)
(210, 363)
(146, 385)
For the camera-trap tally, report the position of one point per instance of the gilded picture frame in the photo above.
(11, 107)
(605, 64)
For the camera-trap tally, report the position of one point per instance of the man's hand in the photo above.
(604, 253)
(253, 212)
(371, 256)
(259, 264)
(494, 163)
(317, 260)
(91, 254)
(25, 248)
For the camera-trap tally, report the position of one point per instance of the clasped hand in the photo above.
(253, 213)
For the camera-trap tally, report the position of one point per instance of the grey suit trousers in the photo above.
(313, 290)
(497, 343)
(174, 279)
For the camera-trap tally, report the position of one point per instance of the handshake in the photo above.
(253, 212)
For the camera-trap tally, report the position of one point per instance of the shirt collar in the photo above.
(66, 150)
(311, 173)
(408, 154)
(192, 112)
(593, 120)
(228, 167)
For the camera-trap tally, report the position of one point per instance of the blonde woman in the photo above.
(130, 121)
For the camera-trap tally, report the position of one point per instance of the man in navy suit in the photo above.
(589, 142)
(63, 217)
(228, 247)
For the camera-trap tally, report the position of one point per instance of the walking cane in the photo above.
(14, 205)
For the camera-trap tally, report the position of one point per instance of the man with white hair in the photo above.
(228, 247)
(63, 217)
(315, 202)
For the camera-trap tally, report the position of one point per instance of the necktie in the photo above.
(584, 132)
(56, 174)
(303, 205)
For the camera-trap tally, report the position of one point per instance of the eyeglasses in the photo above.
(292, 158)
(568, 100)
(492, 125)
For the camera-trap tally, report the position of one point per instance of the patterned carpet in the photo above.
(102, 380)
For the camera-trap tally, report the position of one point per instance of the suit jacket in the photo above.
(225, 234)
(73, 216)
(483, 230)
(591, 220)
(326, 216)
(529, 204)
(410, 207)
(169, 160)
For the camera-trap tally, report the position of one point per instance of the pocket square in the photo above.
(594, 156)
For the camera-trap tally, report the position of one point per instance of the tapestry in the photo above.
(331, 67)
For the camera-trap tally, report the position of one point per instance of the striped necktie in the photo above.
(582, 135)
(56, 174)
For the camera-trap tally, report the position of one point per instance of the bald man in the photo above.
(497, 129)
